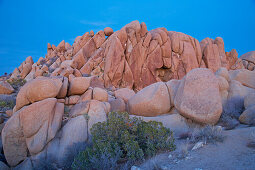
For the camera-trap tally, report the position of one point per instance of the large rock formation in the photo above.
(30, 129)
(177, 78)
(132, 57)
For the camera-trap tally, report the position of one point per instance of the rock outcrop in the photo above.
(132, 57)
(157, 75)
(30, 129)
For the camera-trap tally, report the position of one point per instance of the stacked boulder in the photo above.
(132, 57)
(74, 87)
(248, 60)
(248, 116)
(196, 97)
(38, 126)
(5, 88)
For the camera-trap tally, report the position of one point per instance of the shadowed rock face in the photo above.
(132, 57)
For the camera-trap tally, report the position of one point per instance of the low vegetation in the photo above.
(208, 134)
(17, 83)
(232, 109)
(7, 104)
(251, 143)
(121, 141)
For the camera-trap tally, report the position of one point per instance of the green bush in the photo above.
(17, 83)
(208, 134)
(122, 140)
(8, 104)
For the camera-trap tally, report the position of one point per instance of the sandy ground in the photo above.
(232, 154)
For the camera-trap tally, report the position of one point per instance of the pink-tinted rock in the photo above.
(245, 77)
(86, 96)
(152, 100)
(250, 56)
(73, 99)
(5, 88)
(26, 69)
(38, 89)
(108, 31)
(39, 73)
(79, 85)
(117, 105)
(63, 90)
(30, 129)
(61, 46)
(29, 60)
(100, 94)
(198, 97)
(124, 93)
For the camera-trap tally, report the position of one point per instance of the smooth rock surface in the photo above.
(198, 97)
(152, 100)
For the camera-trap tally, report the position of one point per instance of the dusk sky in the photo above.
(28, 25)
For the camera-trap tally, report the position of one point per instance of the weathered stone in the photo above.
(117, 105)
(63, 90)
(172, 87)
(198, 97)
(248, 116)
(79, 85)
(38, 89)
(249, 100)
(244, 76)
(71, 139)
(72, 99)
(153, 100)
(100, 94)
(40, 122)
(124, 93)
(61, 46)
(13, 139)
(86, 96)
(29, 59)
(174, 121)
(5, 88)
(26, 69)
(238, 92)
(97, 113)
(250, 56)
(108, 31)
(79, 109)
(223, 83)
(223, 72)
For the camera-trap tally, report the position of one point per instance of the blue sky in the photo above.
(28, 25)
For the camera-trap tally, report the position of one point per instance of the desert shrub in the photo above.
(208, 134)
(121, 140)
(17, 83)
(251, 143)
(232, 109)
(7, 104)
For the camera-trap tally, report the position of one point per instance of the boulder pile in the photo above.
(157, 75)
(132, 57)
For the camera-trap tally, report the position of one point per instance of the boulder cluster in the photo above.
(150, 74)
(132, 57)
